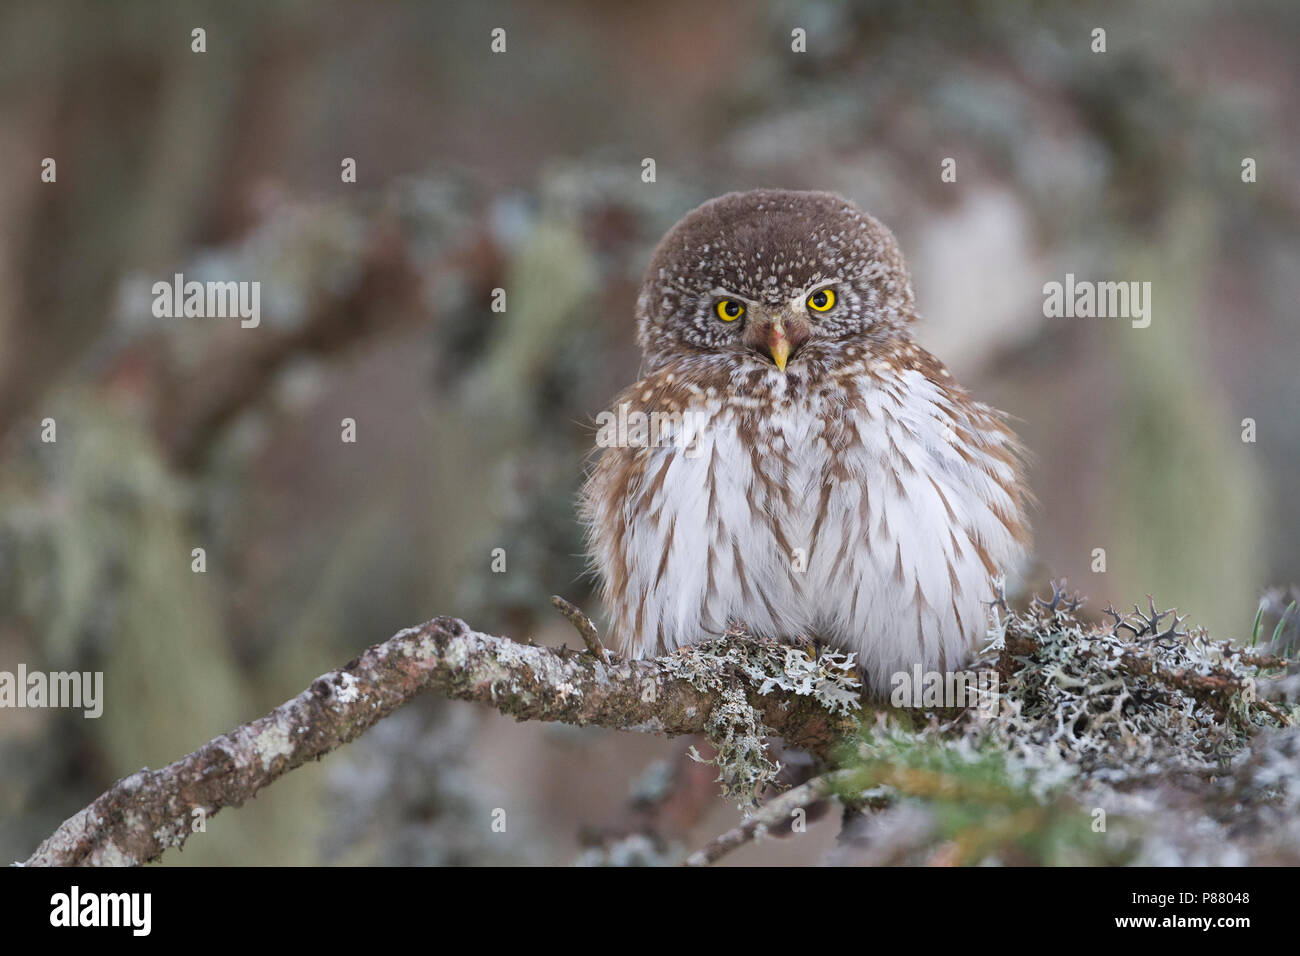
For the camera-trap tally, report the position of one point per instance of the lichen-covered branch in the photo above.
(143, 814)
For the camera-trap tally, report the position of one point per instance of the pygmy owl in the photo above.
(791, 459)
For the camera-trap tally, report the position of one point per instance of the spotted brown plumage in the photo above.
(812, 471)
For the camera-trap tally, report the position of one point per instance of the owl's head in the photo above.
(775, 277)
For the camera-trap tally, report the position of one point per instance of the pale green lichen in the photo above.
(735, 728)
(348, 689)
(1121, 699)
(271, 743)
(1156, 728)
(171, 834)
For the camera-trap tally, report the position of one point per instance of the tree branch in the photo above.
(143, 814)
(772, 815)
(582, 624)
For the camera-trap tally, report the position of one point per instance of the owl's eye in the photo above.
(823, 300)
(729, 310)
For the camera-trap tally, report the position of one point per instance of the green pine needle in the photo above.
(1277, 631)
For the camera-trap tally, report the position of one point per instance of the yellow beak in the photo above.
(778, 346)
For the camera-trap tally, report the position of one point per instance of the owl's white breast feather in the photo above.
(874, 525)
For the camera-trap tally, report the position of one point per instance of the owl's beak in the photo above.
(778, 345)
(778, 337)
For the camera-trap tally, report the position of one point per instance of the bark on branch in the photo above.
(143, 814)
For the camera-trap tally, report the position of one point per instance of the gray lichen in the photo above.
(745, 764)
(1126, 741)
(1133, 698)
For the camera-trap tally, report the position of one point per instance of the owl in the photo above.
(791, 459)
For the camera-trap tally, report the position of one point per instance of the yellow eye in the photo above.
(823, 300)
(729, 310)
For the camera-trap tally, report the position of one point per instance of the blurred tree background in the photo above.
(522, 170)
